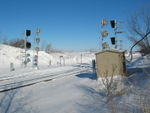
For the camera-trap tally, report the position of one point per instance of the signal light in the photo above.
(113, 40)
(28, 45)
(28, 32)
(104, 22)
(113, 23)
(105, 45)
(104, 34)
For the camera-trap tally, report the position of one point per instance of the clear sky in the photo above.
(66, 24)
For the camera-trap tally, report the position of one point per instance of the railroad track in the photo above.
(45, 78)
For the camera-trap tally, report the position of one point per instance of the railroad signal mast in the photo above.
(115, 41)
(26, 45)
(37, 40)
(104, 34)
(37, 48)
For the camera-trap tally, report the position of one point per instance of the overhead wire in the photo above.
(131, 50)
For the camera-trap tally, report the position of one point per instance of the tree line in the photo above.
(19, 43)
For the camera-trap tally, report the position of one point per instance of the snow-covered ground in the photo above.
(14, 55)
(70, 88)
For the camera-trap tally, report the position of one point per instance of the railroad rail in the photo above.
(47, 77)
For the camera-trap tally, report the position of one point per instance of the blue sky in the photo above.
(66, 24)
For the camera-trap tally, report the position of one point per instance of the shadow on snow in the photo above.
(87, 75)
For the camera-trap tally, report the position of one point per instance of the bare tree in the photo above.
(139, 28)
(108, 83)
(17, 43)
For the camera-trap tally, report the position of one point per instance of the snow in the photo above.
(67, 88)
(14, 55)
